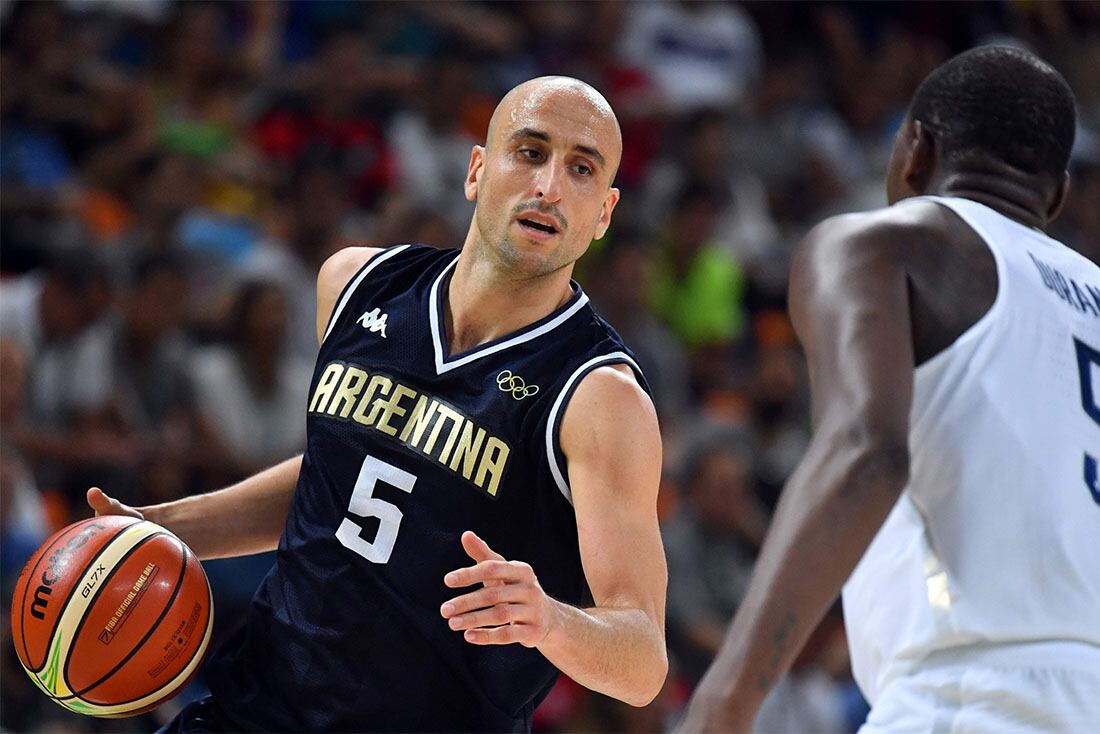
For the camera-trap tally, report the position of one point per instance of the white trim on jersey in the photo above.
(442, 365)
(371, 264)
(605, 359)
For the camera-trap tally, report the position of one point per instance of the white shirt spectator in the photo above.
(257, 428)
(432, 167)
(706, 55)
(61, 375)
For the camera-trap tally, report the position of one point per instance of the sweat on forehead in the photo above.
(533, 93)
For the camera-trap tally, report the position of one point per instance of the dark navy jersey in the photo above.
(409, 446)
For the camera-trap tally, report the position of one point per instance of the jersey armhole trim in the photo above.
(557, 412)
(986, 321)
(375, 260)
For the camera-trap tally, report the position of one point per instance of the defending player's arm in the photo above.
(849, 302)
(610, 437)
(247, 517)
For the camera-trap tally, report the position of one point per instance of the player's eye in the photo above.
(531, 154)
(583, 169)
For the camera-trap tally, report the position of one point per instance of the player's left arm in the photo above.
(849, 302)
(610, 437)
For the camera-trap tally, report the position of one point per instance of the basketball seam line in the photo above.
(142, 641)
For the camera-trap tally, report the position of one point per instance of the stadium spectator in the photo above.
(622, 297)
(711, 545)
(699, 54)
(251, 388)
(236, 143)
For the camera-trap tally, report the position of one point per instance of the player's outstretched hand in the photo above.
(103, 504)
(509, 607)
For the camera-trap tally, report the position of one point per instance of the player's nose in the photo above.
(548, 183)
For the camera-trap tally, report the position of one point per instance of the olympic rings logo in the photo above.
(509, 382)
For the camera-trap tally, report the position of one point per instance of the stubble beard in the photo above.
(518, 263)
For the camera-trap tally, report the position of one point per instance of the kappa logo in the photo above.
(374, 321)
(512, 383)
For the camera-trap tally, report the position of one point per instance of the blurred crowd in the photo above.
(174, 174)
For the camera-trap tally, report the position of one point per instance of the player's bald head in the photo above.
(571, 104)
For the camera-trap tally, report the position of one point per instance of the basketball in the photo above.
(112, 616)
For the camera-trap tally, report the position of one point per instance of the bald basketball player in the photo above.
(951, 484)
(476, 506)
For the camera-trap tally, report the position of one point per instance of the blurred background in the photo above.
(173, 175)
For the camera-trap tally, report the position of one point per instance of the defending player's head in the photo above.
(542, 182)
(993, 110)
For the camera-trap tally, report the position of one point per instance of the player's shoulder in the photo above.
(613, 384)
(887, 237)
(344, 264)
(889, 230)
(340, 266)
(346, 268)
(606, 399)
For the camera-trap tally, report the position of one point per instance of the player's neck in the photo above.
(1018, 197)
(481, 304)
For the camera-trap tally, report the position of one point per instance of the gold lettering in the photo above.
(350, 387)
(419, 421)
(324, 388)
(377, 382)
(467, 450)
(492, 463)
(389, 408)
(449, 444)
(444, 414)
(414, 418)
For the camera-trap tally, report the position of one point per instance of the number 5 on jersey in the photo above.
(365, 504)
(1088, 359)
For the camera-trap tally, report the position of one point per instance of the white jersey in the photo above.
(994, 546)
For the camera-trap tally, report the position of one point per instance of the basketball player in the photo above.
(954, 354)
(482, 459)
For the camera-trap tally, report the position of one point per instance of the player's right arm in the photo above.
(247, 517)
(849, 303)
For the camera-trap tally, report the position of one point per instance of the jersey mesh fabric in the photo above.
(337, 642)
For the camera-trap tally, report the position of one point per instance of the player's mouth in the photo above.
(537, 227)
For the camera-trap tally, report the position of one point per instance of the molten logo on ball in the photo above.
(59, 560)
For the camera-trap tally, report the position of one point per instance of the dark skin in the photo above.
(871, 297)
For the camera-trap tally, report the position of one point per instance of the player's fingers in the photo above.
(103, 504)
(506, 635)
(484, 597)
(94, 496)
(99, 501)
(486, 571)
(491, 617)
(477, 548)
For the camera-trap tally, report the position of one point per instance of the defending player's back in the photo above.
(1002, 510)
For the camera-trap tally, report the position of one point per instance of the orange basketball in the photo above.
(112, 616)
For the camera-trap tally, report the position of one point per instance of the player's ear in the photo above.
(473, 175)
(921, 156)
(609, 203)
(1061, 195)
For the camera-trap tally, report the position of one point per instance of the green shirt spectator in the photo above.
(697, 287)
(704, 306)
